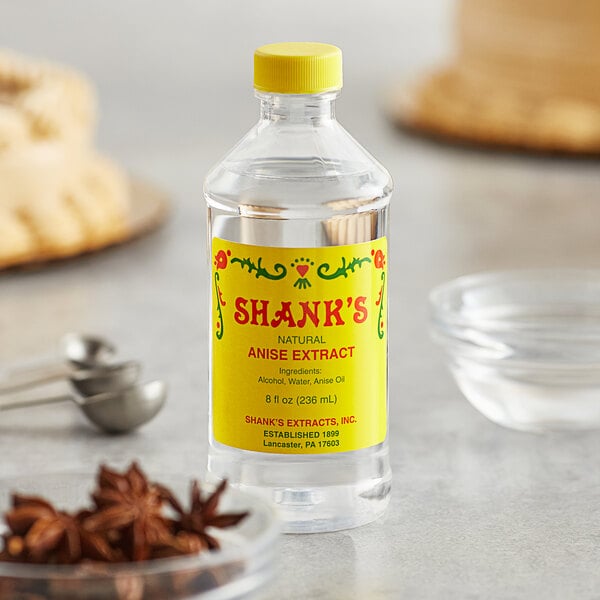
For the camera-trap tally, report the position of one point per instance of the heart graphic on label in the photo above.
(302, 270)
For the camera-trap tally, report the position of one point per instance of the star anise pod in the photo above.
(202, 513)
(40, 533)
(180, 544)
(26, 510)
(128, 523)
(129, 512)
(96, 546)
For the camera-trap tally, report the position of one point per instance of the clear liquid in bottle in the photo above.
(298, 218)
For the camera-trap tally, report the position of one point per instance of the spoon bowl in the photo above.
(106, 378)
(126, 409)
(86, 351)
(78, 351)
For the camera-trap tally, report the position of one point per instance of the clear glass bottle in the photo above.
(295, 188)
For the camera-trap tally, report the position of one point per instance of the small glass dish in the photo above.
(524, 346)
(243, 564)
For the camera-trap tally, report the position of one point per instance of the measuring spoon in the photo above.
(114, 412)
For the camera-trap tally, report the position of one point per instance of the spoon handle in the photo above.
(19, 379)
(22, 401)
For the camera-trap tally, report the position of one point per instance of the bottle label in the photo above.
(299, 347)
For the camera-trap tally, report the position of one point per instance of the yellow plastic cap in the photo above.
(298, 68)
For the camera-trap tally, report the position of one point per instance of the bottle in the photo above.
(298, 217)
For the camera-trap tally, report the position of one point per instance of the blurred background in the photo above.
(171, 74)
(174, 85)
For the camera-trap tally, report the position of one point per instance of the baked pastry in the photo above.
(526, 74)
(58, 197)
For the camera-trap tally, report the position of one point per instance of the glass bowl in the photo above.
(243, 564)
(524, 346)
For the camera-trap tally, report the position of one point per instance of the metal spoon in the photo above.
(114, 412)
(109, 378)
(79, 352)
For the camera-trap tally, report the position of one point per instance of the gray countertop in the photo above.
(477, 511)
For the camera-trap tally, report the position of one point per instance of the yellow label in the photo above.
(299, 347)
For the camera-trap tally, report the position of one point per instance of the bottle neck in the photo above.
(313, 109)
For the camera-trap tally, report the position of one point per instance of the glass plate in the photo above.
(243, 564)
